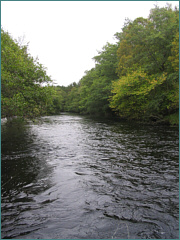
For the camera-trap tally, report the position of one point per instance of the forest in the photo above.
(137, 78)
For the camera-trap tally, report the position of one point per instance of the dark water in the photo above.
(68, 177)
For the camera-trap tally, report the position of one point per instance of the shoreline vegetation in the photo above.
(171, 121)
(135, 79)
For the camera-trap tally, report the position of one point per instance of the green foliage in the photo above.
(91, 94)
(137, 78)
(22, 93)
(173, 119)
(54, 100)
(131, 93)
(148, 66)
(72, 98)
(95, 86)
(148, 42)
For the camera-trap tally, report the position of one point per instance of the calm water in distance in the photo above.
(71, 177)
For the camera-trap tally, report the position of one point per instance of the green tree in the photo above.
(131, 93)
(148, 42)
(22, 77)
(95, 86)
(148, 63)
(72, 98)
(54, 100)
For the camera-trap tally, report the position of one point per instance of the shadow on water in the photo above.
(24, 175)
(20, 161)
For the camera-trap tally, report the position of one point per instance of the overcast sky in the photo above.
(65, 35)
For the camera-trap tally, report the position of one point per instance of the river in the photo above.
(73, 177)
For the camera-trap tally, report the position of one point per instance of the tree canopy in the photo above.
(148, 69)
(22, 77)
(135, 78)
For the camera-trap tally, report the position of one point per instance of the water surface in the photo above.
(71, 177)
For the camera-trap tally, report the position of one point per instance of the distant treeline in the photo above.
(135, 78)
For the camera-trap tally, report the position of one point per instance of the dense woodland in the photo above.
(135, 78)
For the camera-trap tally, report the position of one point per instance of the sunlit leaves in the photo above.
(132, 91)
(148, 66)
(174, 57)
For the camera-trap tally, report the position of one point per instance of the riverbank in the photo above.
(173, 119)
(170, 120)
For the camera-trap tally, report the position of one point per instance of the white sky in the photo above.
(65, 35)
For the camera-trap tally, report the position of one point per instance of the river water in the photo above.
(72, 177)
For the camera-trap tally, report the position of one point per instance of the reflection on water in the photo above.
(68, 177)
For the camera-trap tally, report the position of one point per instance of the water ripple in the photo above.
(73, 177)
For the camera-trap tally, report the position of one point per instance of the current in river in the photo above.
(73, 177)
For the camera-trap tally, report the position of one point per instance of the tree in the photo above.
(22, 77)
(95, 86)
(72, 98)
(148, 63)
(131, 93)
